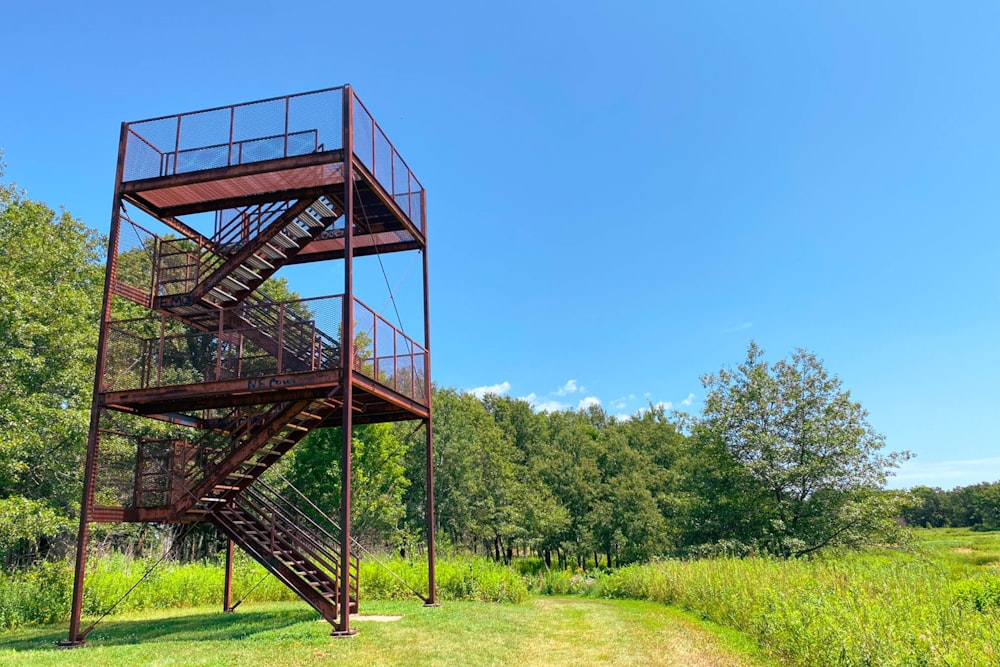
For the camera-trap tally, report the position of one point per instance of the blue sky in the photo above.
(621, 195)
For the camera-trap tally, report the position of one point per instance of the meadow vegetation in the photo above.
(933, 602)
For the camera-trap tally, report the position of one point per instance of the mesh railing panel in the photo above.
(140, 463)
(376, 152)
(238, 134)
(114, 480)
(136, 257)
(243, 342)
(386, 355)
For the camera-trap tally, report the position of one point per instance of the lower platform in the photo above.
(372, 401)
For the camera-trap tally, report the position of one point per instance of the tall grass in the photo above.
(936, 605)
(880, 608)
(460, 578)
(41, 594)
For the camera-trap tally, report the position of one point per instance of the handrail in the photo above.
(166, 164)
(233, 106)
(354, 541)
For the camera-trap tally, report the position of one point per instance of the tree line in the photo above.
(781, 459)
(976, 506)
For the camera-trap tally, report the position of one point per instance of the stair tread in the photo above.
(274, 253)
(295, 231)
(257, 262)
(226, 296)
(324, 211)
(231, 281)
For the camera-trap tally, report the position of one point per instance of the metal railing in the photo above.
(247, 341)
(384, 162)
(270, 129)
(237, 134)
(261, 339)
(387, 355)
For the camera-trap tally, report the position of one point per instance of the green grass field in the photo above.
(543, 631)
(934, 602)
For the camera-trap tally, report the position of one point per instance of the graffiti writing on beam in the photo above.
(175, 301)
(270, 383)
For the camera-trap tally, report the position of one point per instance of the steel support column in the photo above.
(77, 638)
(428, 423)
(227, 594)
(343, 628)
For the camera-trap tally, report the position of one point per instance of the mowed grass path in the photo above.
(542, 631)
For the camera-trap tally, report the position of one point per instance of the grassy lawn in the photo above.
(543, 631)
(961, 547)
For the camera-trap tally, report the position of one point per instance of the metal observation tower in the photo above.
(203, 381)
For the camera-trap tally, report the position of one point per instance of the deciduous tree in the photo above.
(815, 462)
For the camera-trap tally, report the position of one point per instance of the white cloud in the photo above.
(530, 398)
(688, 401)
(739, 327)
(498, 389)
(619, 404)
(550, 406)
(588, 402)
(571, 387)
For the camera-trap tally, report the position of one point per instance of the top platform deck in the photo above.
(279, 148)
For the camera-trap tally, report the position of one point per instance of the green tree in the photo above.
(50, 281)
(926, 507)
(50, 291)
(544, 520)
(812, 461)
(378, 479)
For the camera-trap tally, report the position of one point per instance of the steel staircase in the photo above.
(296, 549)
(216, 477)
(222, 464)
(246, 250)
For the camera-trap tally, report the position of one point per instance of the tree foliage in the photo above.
(782, 459)
(809, 465)
(50, 283)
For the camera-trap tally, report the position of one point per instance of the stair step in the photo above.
(284, 241)
(210, 499)
(259, 263)
(239, 475)
(229, 281)
(245, 274)
(324, 211)
(310, 415)
(225, 487)
(225, 296)
(295, 231)
(296, 427)
(309, 220)
(272, 252)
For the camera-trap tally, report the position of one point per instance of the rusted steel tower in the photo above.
(203, 381)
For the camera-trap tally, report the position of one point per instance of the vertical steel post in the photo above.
(227, 594)
(94, 434)
(343, 628)
(428, 424)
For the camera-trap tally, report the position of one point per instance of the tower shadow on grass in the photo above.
(199, 627)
